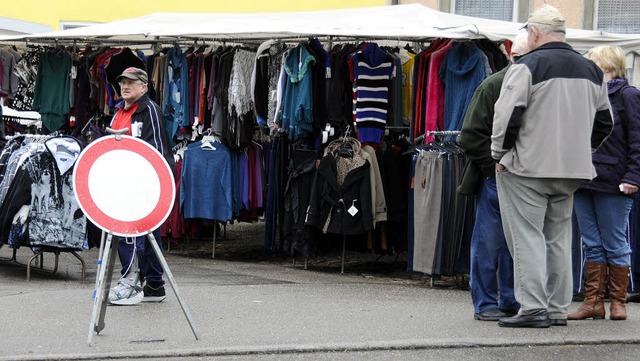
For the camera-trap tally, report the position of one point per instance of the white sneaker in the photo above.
(125, 293)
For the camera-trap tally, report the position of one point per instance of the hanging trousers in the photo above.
(427, 205)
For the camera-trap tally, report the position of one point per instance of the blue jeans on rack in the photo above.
(151, 269)
(491, 263)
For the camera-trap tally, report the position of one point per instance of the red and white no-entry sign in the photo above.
(124, 186)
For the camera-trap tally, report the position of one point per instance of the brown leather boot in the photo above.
(594, 289)
(618, 283)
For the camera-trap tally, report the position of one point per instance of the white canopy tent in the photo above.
(413, 22)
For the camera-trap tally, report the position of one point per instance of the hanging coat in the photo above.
(341, 208)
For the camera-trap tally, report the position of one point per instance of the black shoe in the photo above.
(633, 297)
(492, 314)
(153, 294)
(535, 319)
(558, 322)
(578, 297)
(510, 312)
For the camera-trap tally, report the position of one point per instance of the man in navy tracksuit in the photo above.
(141, 280)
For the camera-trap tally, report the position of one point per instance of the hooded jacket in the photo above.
(341, 207)
(461, 72)
(378, 200)
(297, 95)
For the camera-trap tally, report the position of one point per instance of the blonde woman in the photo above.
(602, 205)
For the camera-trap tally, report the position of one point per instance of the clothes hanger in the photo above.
(346, 148)
(408, 48)
(180, 148)
(207, 140)
(201, 49)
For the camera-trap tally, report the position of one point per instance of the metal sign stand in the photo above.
(109, 248)
(103, 284)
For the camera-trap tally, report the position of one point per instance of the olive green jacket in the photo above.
(475, 136)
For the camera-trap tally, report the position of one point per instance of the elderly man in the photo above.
(552, 111)
(145, 120)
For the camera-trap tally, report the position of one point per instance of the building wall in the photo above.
(433, 4)
(53, 12)
(573, 10)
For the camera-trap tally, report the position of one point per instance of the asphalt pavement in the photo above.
(254, 308)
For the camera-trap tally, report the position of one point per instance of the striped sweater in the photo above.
(373, 70)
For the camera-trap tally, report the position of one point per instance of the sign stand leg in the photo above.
(103, 238)
(174, 286)
(101, 292)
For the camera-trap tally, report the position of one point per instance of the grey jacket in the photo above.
(552, 111)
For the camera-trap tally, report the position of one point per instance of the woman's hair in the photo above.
(609, 58)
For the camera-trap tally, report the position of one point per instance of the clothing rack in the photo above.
(29, 136)
(443, 132)
(40, 254)
(186, 40)
(28, 119)
(436, 133)
(156, 42)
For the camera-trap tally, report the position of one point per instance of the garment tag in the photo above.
(74, 72)
(196, 121)
(327, 75)
(352, 210)
(136, 129)
(177, 97)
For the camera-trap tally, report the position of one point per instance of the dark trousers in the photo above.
(491, 264)
(151, 269)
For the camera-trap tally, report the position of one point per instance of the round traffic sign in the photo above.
(124, 186)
